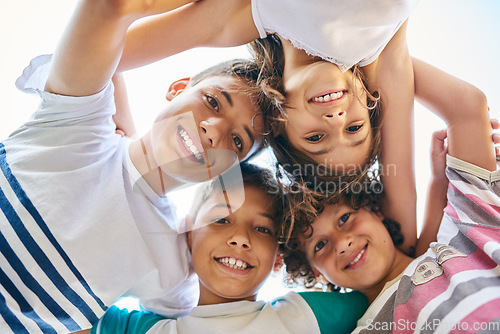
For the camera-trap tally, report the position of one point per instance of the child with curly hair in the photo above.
(455, 284)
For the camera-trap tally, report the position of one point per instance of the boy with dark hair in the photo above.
(74, 194)
(233, 253)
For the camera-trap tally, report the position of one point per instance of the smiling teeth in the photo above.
(329, 97)
(233, 263)
(357, 257)
(188, 142)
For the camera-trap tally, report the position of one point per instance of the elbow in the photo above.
(472, 102)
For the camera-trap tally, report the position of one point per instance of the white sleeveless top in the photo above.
(346, 33)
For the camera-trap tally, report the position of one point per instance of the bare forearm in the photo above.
(206, 23)
(90, 49)
(91, 44)
(464, 109)
(393, 79)
(434, 206)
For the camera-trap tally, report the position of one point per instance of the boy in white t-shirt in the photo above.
(84, 217)
(232, 257)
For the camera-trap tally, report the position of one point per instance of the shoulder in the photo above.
(336, 311)
(117, 320)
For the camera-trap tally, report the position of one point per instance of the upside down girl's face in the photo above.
(328, 119)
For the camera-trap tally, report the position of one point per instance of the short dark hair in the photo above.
(253, 175)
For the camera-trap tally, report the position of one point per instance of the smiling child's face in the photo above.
(212, 117)
(234, 255)
(350, 248)
(328, 118)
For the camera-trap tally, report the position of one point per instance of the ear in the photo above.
(278, 263)
(319, 276)
(316, 272)
(177, 87)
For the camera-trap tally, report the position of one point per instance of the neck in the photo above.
(401, 261)
(141, 155)
(207, 297)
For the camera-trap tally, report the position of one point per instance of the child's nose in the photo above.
(240, 239)
(335, 118)
(343, 245)
(213, 131)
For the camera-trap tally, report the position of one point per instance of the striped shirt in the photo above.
(76, 231)
(455, 286)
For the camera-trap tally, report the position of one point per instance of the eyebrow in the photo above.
(226, 95)
(359, 142)
(250, 134)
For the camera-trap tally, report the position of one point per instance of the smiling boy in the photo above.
(74, 195)
(232, 257)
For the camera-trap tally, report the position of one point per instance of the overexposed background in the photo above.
(461, 37)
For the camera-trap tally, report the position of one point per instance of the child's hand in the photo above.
(439, 149)
(495, 137)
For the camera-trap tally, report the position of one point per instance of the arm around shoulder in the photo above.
(464, 109)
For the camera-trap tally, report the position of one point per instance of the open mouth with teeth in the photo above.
(330, 97)
(234, 263)
(190, 149)
(356, 259)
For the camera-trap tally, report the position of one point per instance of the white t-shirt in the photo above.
(287, 314)
(346, 33)
(78, 226)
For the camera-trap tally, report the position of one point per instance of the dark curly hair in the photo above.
(299, 218)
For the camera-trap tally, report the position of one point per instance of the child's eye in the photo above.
(262, 229)
(314, 138)
(354, 128)
(222, 221)
(212, 101)
(238, 142)
(319, 246)
(344, 218)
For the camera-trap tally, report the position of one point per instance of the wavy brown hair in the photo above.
(298, 268)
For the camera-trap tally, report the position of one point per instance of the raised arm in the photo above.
(435, 201)
(392, 76)
(464, 109)
(213, 23)
(88, 54)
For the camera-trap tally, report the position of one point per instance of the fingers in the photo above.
(120, 132)
(495, 137)
(495, 124)
(438, 143)
(440, 135)
(496, 140)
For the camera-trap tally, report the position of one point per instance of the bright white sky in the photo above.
(461, 37)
